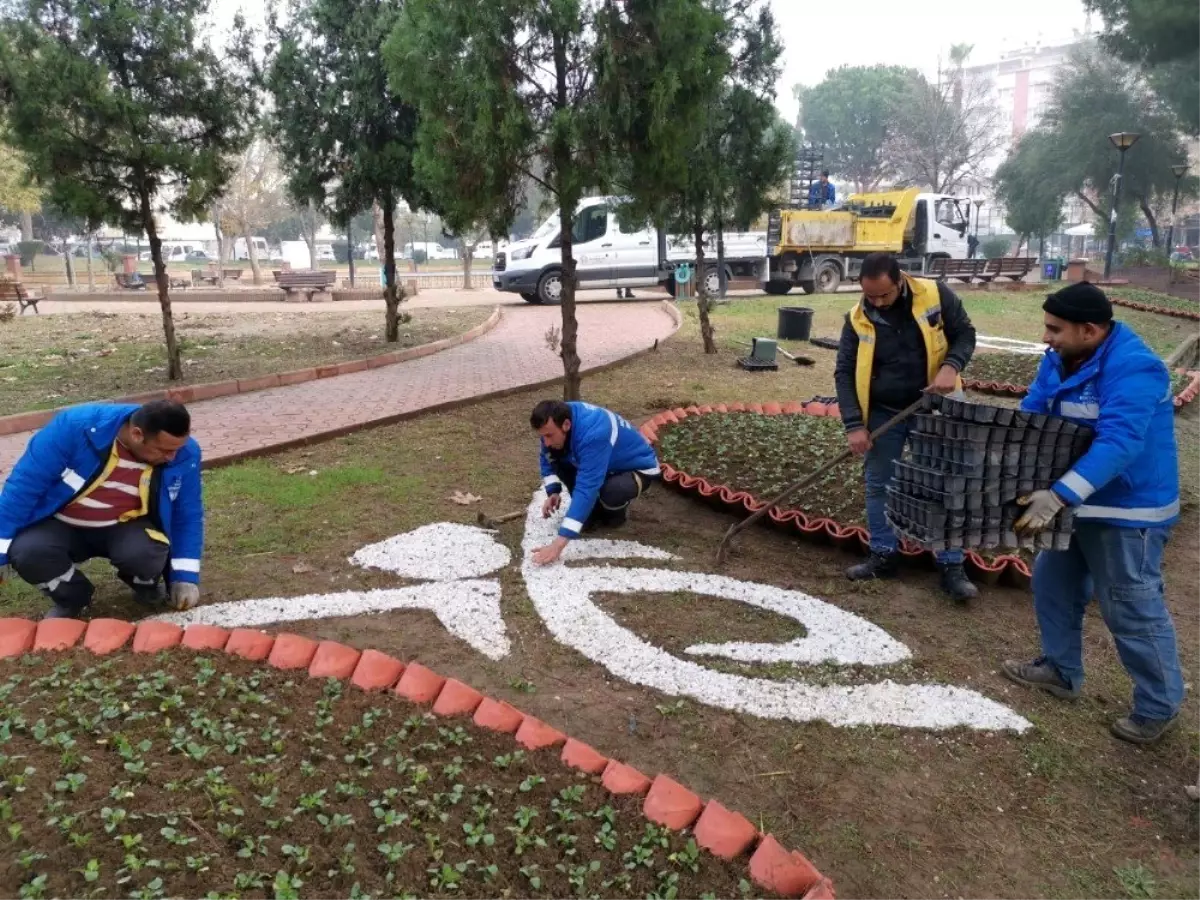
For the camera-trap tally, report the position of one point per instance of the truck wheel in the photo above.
(531, 298)
(807, 286)
(777, 288)
(550, 287)
(829, 277)
(712, 282)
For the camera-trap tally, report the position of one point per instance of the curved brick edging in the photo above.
(19, 422)
(1007, 389)
(1012, 568)
(1161, 310)
(721, 832)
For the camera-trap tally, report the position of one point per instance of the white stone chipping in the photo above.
(443, 551)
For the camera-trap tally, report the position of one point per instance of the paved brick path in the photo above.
(513, 354)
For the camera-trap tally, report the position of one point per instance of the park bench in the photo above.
(200, 276)
(1013, 267)
(307, 283)
(126, 282)
(963, 269)
(15, 291)
(232, 274)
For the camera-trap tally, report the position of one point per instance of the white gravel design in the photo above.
(468, 609)
(563, 599)
(444, 551)
(600, 548)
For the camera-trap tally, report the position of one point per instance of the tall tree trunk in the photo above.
(377, 214)
(722, 281)
(706, 328)
(561, 150)
(222, 244)
(174, 362)
(69, 262)
(90, 273)
(1090, 204)
(392, 295)
(252, 253)
(27, 226)
(468, 256)
(1151, 221)
(308, 232)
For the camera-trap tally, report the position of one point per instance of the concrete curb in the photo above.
(211, 462)
(726, 834)
(19, 422)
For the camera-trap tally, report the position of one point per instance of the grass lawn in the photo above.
(1061, 811)
(58, 360)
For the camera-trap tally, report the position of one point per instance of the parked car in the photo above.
(199, 256)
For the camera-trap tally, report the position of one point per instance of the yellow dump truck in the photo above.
(818, 249)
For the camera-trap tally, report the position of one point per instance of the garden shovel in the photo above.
(736, 527)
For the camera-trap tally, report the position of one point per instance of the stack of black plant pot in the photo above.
(966, 465)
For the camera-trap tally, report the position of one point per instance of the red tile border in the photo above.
(726, 834)
(1186, 394)
(1012, 568)
(30, 421)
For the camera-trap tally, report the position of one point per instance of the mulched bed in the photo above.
(1010, 374)
(757, 455)
(173, 776)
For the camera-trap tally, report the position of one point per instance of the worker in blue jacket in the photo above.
(603, 462)
(1125, 494)
(112, 481)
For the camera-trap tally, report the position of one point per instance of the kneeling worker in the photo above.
(904, 336)
(115, 481)
(1125, 493)
(599, 457)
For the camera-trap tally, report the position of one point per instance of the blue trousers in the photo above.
(877, 469)
(1122, 567)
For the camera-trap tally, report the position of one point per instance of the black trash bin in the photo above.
(795, 323)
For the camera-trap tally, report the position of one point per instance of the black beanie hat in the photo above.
(1080, 302)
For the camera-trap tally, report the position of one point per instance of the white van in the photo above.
(607, 256)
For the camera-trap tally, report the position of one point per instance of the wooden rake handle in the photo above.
(737, 527)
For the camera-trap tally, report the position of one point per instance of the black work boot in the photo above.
(877, 565)
(1140, 730)
(1039, 674)
(956, 583)
(58, 611)
(151, 596)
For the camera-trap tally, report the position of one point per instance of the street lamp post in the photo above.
(1178, 171)
(978, 212)
(1122, 140)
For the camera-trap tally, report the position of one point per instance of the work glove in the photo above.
(184, 595)
(1041, 508)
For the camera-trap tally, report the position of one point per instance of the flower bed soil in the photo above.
(1010, 374)
(201, 775)
(1165, 304)
(740, 455)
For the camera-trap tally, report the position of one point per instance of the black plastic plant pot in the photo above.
(794, 323)
(983, 413)
(1021, 419)
(1004, 416)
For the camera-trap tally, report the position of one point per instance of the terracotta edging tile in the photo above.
(456, 699)
(787, 873)
(106, 635)
(669, 803)
(622, 779)
(334, 660)
(376, 671)
(205, 637)
(534, 734)
(151, 636)
(496, 715)
(291, 651)
(719, 831)
(16, 636)
(249, 643)
(419, 684)
(58, 634)
(723, 833)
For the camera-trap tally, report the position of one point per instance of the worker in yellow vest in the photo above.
(904, 336)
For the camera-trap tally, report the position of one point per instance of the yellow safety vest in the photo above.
(926, 305)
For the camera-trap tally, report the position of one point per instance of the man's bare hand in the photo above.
(946, 381)
(550, 505)
(543, 556)
(860, 441)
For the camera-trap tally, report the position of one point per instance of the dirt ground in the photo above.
(51, 361)
(1063, 810)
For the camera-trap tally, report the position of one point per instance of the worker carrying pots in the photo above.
(602, 460)
(906, 335)
(1125, 494)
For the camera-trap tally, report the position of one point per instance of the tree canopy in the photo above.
(851, 115)
(1026, 184)
(122, 110)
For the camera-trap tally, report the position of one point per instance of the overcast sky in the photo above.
(821, 37)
